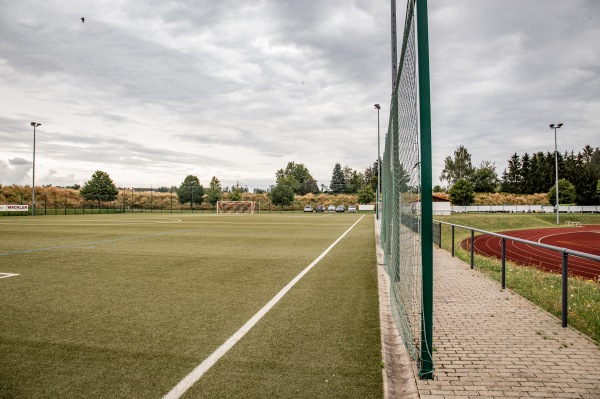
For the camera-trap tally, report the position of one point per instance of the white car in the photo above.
(308, 208)
(331, 208)
(352, 209)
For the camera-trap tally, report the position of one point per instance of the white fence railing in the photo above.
(527, 208)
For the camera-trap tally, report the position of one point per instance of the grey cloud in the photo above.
(14, 172)
(172, 85)
(120, 152)
(19, 161)
(502, 72)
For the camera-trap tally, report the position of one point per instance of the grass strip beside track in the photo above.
(129, 318)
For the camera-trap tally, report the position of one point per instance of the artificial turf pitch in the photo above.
(125, 306)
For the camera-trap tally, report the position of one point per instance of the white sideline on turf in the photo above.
(203, 367)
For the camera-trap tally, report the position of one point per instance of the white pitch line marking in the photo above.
(5, 275)
(193, 377)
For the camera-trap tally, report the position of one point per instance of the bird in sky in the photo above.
(82, 19)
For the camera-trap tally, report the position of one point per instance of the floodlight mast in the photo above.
(556, 126)
(34, 124)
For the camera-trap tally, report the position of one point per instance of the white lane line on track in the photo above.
(189, 380)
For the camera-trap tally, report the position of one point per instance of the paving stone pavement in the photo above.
(493, 343)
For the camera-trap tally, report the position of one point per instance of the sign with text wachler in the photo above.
(14, 208)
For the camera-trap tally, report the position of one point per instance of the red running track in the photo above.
(583, 239)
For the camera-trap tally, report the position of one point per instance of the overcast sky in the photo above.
(151, 91)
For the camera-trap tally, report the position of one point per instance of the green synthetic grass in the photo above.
(542, 288)
(308, 346)
(127, 305)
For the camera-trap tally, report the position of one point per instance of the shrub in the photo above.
(462, 193)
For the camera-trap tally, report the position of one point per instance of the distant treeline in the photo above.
(528, 174)
(141, 198)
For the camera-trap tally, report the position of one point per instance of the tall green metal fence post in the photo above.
(426, 371)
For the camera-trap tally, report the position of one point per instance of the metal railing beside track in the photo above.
(437, 229)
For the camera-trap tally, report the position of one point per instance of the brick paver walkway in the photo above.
(494, 343)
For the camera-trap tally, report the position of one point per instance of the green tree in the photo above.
(598, 188)
(214, 192)
(370, 175)
(282, 195)
(566, 193)
(526, 186)
(366, 195)
(485, 178)
(437, 189)
(462, 193)
(537, 179)
(99, 188)
(338, 181)
(457, 168)
(586, 176)
(511, 179)
(298, 177)
(190, 190)
(354, 180)
(236, 193)
(289, 181)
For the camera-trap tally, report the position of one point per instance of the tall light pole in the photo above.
(378, 107)
(557, 126)
(34, 124)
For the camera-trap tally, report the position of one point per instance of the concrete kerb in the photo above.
(399, 372)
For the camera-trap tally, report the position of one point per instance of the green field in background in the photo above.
(126, 305)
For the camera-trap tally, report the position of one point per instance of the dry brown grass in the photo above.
(58, 196)
(22, 194)
(505, 199)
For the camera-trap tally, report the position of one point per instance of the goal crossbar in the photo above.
(235, 206)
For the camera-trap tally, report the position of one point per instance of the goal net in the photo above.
(235, 206)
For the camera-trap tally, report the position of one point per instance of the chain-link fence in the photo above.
(406, 201)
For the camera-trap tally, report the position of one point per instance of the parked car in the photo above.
(340, 208)
(308, 208)
(352, 209)
(320, 208)
(331, 208)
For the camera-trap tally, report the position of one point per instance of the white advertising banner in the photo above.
(366, 207)
(14, 208)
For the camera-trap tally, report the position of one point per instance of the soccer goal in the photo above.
(235, 206)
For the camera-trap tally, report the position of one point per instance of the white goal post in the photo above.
(235, 206)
